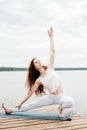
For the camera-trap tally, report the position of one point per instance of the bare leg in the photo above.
(60, 110)
(7, 110)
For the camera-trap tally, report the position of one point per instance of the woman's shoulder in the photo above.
(38, 80)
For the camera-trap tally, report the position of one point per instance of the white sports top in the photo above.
(51, 80)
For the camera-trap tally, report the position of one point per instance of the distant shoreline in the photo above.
(13, 69)
(25, 69)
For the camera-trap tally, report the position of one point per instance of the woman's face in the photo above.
(37, 64)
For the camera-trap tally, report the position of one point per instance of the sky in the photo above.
(23, 32)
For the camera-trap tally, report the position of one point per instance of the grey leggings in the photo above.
(62, 100)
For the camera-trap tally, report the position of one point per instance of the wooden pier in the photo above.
(77, 123)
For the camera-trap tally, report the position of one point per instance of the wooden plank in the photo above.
(18, 124)
(48, 125)
(69, 126)
(23, 122)
(81, 129)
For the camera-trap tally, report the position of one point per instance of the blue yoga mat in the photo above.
(45, 115)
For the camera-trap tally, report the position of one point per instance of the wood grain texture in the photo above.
(77, 123)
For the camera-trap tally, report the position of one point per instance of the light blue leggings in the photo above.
(62, 100)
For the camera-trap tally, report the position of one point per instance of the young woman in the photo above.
(41, 77)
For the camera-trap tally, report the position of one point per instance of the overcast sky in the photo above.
(23, 31)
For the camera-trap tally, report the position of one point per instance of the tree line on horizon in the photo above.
(25, 69)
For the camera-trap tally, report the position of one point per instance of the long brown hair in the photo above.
(33, 74)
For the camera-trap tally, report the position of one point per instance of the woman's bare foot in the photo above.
(60, 112)
(7, 111)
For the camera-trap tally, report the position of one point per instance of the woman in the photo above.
(40, 78)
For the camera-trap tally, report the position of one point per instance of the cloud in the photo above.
(23, 31)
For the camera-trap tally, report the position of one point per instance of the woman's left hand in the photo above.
(50, 32)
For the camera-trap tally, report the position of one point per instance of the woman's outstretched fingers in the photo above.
(51, 29)
(50, 32)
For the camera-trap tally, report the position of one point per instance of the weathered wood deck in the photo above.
(77, 123)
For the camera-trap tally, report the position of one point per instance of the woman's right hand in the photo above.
(18, 106)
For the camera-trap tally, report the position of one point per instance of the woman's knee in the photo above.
(68, 102)
(71, 102)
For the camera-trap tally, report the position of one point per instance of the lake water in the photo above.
(13, 90)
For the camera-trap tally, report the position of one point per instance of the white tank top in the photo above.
(51, 80)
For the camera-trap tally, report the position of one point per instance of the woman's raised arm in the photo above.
(52, 49)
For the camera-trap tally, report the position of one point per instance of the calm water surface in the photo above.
(13, 90)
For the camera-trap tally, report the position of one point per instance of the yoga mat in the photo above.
(45, 115)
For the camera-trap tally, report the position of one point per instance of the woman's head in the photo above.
(37, 63)
(33, 74)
